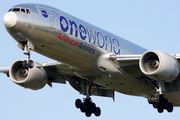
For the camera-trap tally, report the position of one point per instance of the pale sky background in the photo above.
(153, 24)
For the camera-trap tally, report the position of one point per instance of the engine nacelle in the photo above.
(32, 78)
(159, 65)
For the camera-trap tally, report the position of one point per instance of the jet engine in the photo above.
(33, 78)
(159, 65)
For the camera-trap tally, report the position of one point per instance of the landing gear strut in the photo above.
(27, 63)
(158, 101)
(87, 106)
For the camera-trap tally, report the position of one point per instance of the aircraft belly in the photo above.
(174, 98)
(125, 84)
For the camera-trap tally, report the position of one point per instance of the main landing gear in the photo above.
(87, 106)
(158, 101)
(27, 63)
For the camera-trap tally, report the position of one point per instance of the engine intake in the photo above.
(32, 78)
(159, 65)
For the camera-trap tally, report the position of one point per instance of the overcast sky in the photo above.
(153, 24)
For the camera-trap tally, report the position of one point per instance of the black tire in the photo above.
(150, 99)
(155, 105)
(87, 103)
(30, 64)
(24, 64)
(78, 103)
(160, 109)
(166, 103)
(88, 113)
(93, 107)
(82, 109)
(170, 107)
(97, 111)
(160, 99)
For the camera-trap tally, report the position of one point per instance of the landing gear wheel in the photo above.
(87, 103)
(78, 103)
(88, 113)
(170, 107)
(24, 64)
(97, 111)
(82, 109)
(165, 103)
(93, 107)
(155, 105)
(160, 99)
(151, 99)
(160, 109)
(88, 107)
(160, 103)
(30, 64)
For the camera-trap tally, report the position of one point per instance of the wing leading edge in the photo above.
(130, 63)
(58, 72)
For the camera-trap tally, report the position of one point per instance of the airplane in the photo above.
(93, 61)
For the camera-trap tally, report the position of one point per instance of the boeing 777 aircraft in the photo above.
(92, 60)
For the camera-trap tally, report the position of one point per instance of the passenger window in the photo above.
(16, 9)
(22, 10)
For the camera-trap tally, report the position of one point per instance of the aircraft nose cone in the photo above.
(10, 19)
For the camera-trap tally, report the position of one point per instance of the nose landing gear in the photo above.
(27, 63)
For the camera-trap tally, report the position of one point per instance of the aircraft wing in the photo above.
(130, 63)
(58, 72)
(5, 70)
(134, 58)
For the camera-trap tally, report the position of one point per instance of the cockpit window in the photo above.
(9, 10)
(22, 10)
(16, 9)
(27, 11)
